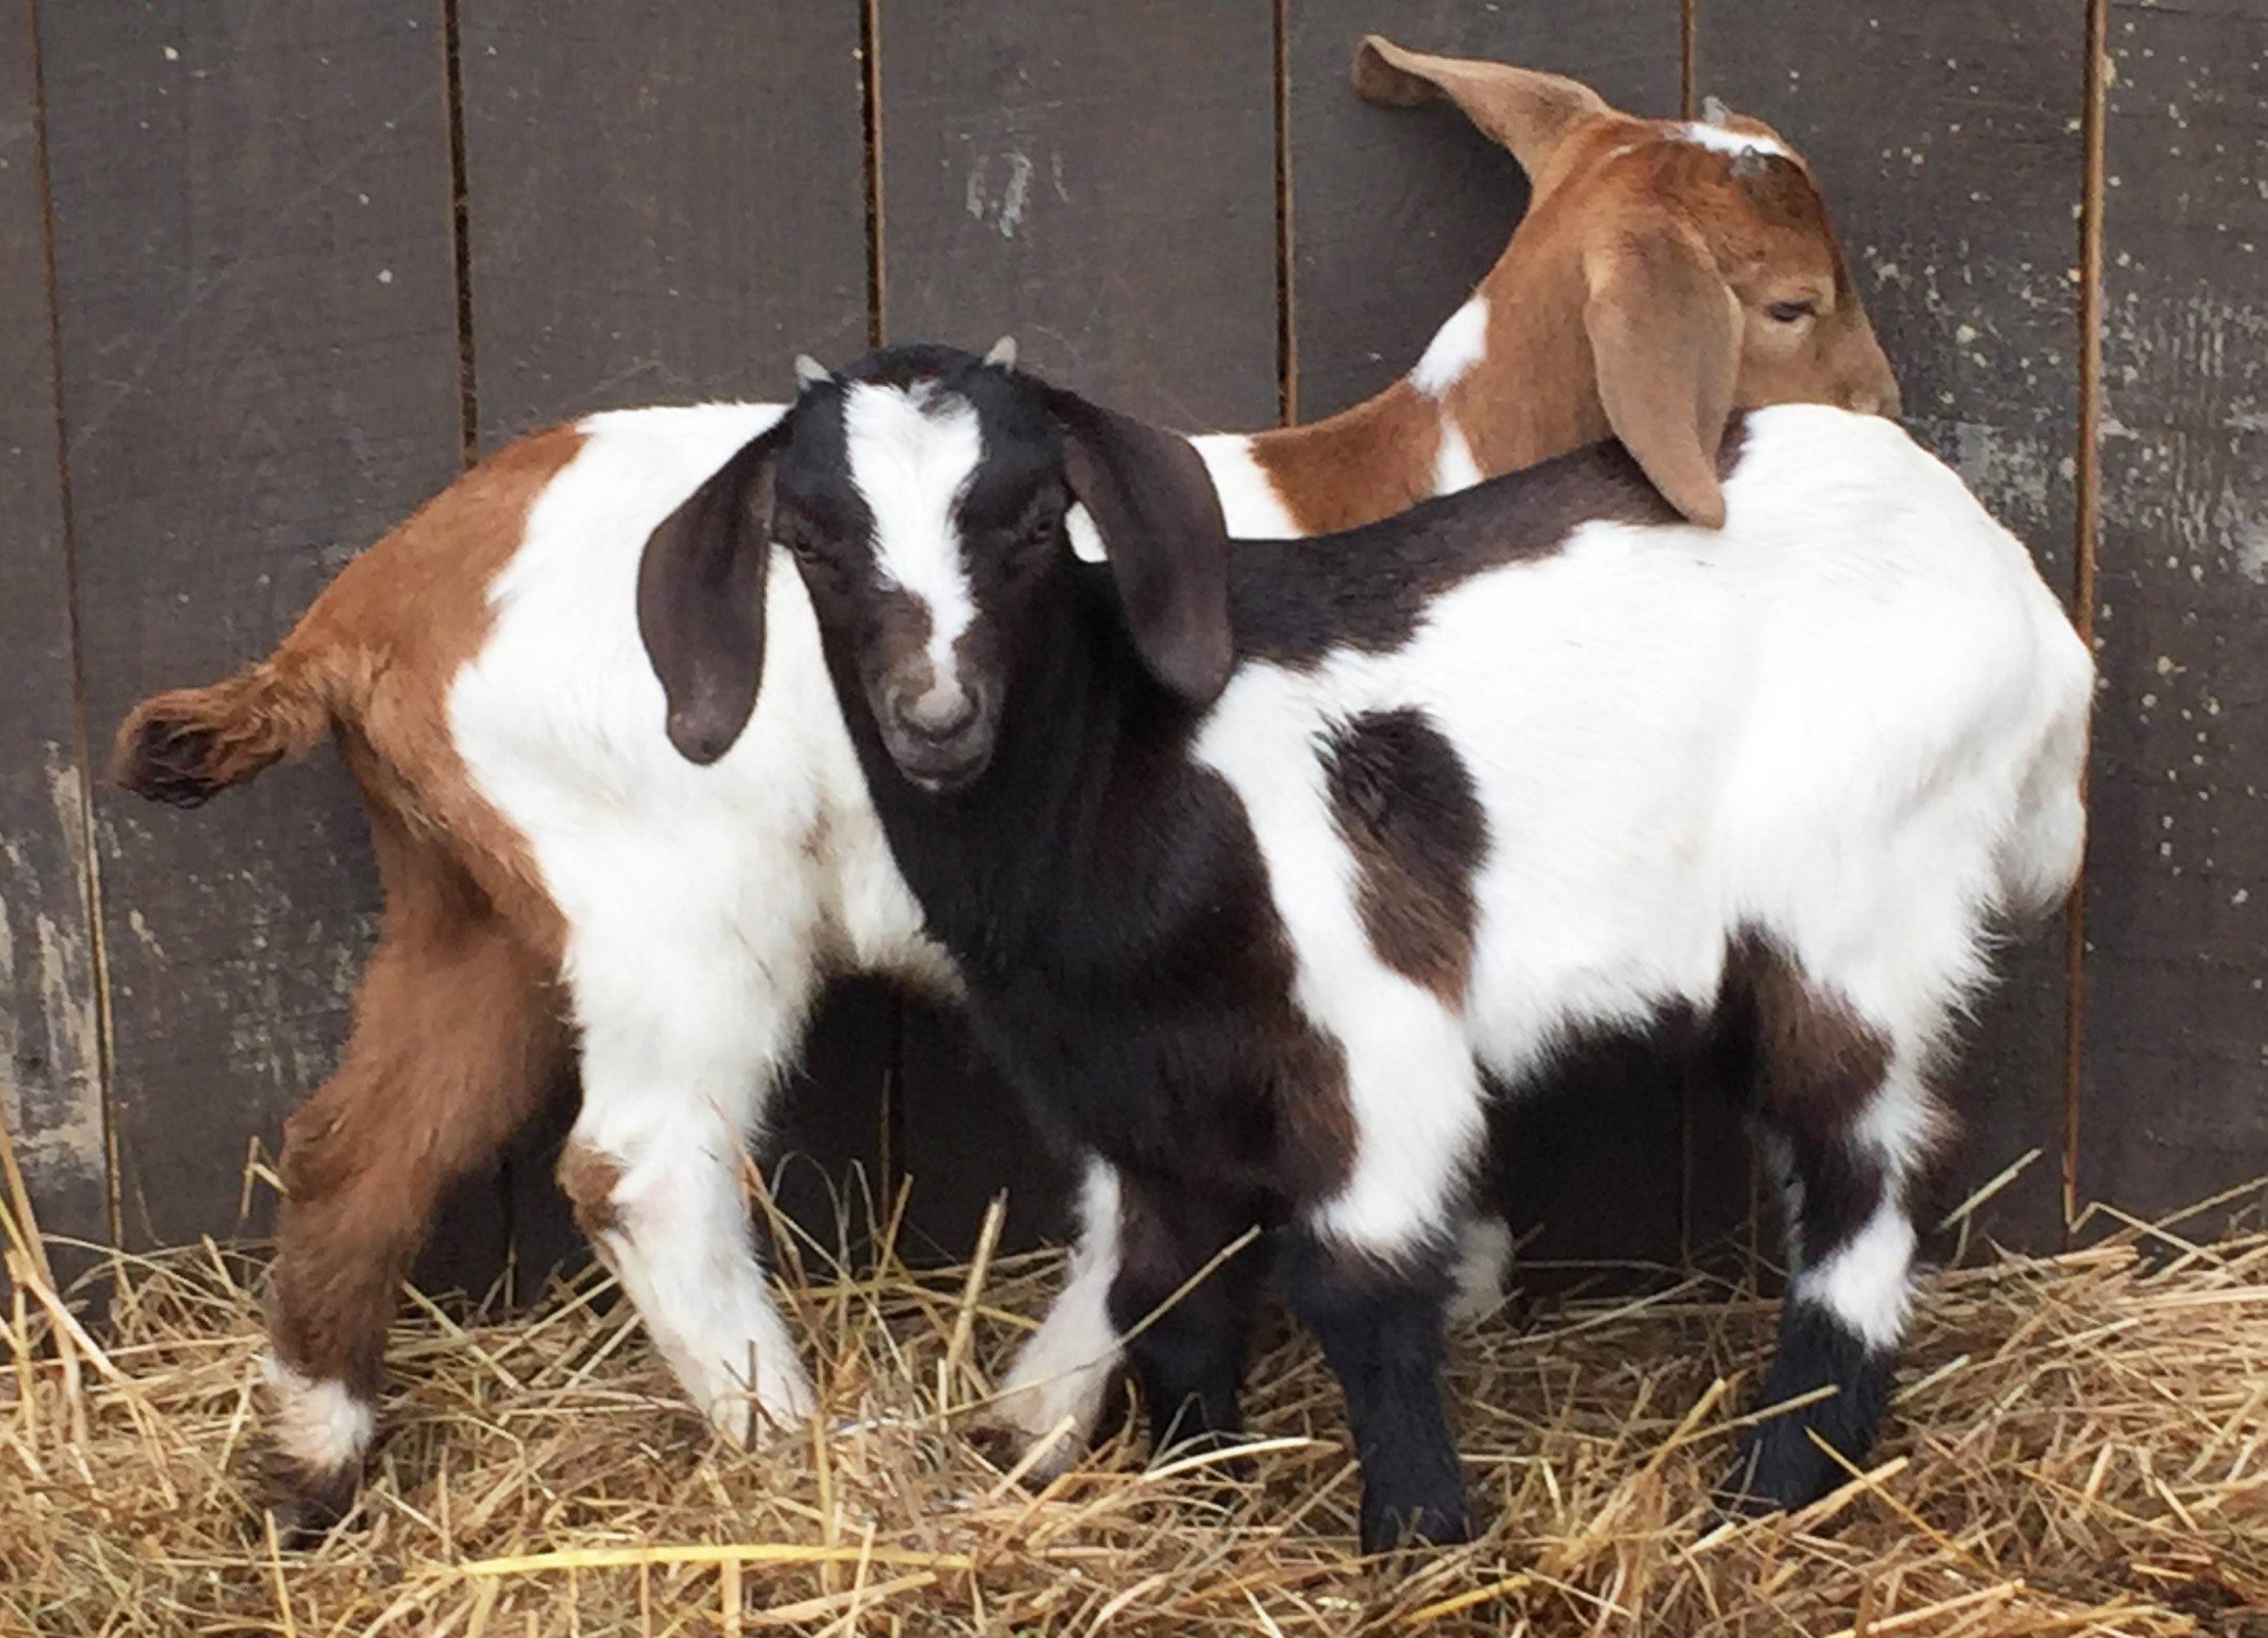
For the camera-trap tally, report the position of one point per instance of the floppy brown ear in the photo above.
(1154, 506)
(1666, 339)
(1524, 109)
(700, 601)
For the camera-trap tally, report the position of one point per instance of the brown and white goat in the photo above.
(559, 879)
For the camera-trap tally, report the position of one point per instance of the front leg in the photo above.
(1187, 1345)
(678, 1065)
(1063, 1371)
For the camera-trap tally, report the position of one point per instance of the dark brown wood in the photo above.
(1395, 214)
(259, 370)
(1947, 140)
(51, 1087)
(2177, 1021)
(662, 209)
(665, 213)
(1098, 179)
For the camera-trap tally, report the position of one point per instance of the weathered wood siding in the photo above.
(277, 272)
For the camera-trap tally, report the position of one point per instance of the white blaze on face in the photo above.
(911, 453)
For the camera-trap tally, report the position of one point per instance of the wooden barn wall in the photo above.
(277, 272)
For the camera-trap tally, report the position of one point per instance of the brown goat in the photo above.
(558, 879)
(1697, 266)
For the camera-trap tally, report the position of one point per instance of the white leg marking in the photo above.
(1867, 1282)
(1482, 1265)
(316, 1424)
(680, 1245)
(1065, 1368)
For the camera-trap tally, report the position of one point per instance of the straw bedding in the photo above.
(2080, 1445)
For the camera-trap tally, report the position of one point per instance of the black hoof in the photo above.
(1780, 1469)
(1386, 1526)
(304, 1507)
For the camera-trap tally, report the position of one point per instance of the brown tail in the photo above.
(183, 745)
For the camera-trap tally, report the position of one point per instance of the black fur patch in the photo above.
(1403, 800)
(1367, 589)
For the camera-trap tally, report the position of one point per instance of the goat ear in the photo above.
(1154, 507)
(1525, 110)
(700, 601)
(1666, 338)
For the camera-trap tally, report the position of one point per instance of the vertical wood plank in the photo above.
(660, 211)
(51, 1087)
(259, 370)
(1100, 180)
(1395, 214)
(665, 211)
(1946, 141)
(2177, 1022)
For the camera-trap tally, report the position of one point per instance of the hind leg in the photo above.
(1851, 1238)
(452, 1049)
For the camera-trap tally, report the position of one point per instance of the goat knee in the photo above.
(670, 1222)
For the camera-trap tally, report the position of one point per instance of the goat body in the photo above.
(1535, 763)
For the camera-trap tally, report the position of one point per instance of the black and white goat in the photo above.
(1258, 867)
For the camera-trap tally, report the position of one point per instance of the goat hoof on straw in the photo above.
(304, 1509)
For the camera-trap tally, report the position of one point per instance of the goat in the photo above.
(557, 883)
(1258, 867)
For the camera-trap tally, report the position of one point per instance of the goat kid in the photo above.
(558, 884)
(1258, 867)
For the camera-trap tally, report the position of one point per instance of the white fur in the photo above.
(1250, 499)
(1085, 539)
(1485, 1253)
(1454, 466)
(911, 452)
(1821, 723)
(1456, 348)
(319, 1425)
(1867, 1281)
(702, 905)
(1063, 1368)
(1717, 139)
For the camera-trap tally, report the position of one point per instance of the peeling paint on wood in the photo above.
(51, 1088)
(2177, 1050)
(246, 404)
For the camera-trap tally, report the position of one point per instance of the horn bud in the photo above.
(1003, 353)
(809, 371)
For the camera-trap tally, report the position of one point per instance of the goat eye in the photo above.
(1789, 312)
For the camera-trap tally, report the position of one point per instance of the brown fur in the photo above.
(1626, 232)
(588, 1178)
(1410, 817)
(457, 1034)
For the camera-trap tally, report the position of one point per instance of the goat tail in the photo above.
(186, 744)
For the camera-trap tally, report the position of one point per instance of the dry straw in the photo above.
(2079, 1446)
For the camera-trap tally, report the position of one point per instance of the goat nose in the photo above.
(939, 712)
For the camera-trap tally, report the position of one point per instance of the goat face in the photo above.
(932, 500)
